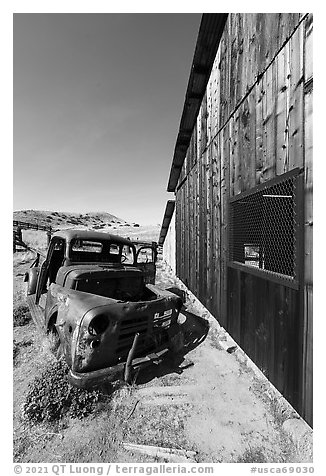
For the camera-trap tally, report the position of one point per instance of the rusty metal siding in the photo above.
(253, 125)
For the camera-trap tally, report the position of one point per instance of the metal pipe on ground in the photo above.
(128, 367)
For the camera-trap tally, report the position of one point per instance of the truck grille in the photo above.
(151, 333)
(128, 329)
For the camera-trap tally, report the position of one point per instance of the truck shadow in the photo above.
(194, 329)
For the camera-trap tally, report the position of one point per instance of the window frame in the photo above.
(287, 280)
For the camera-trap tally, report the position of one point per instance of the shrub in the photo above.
(19, 345)
(74, 221)
(253, 455)
(15, 349)
(21, 315)
(51, 396)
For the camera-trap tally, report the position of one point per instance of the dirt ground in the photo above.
(206, 402)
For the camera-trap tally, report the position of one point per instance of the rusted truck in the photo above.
(95, 294)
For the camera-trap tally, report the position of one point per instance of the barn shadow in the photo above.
(194, 329)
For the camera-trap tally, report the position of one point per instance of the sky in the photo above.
(97, 105)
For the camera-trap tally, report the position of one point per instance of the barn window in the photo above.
(264, 227)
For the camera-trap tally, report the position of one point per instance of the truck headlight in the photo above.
(98, 324)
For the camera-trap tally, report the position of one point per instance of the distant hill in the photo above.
(96, 220)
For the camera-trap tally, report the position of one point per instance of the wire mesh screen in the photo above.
(263, 228)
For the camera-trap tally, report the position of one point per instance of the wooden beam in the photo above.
(209, 36)
(169, 210)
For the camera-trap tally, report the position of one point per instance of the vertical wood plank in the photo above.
(239, 60)
(203, 118)
(195, 218)
(187, 161)
(198, 277)
(215, 94)
(272, 21)
(216, 154)
(307, 377)
(249, 328)
(209, 248)
(190, 152)
(260, 152)
(281, 112)
(286, 166)
(232, 155)
(261, 42)
(194, 146)
(246, 80)
(234, 306)
(248, 149)
(224, 74)
(233, 45)
(186, 225)
(237, 154)
(203, 228)
(209, 110)
(252, 48)
(223, 249)
(269, 169)
(178, 232)
(270, 315)
(214, 227)
(296, 100)
(198, 134)
(191, 230)
(308, 45)
(182, 234)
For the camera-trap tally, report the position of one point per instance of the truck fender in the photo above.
(179, 292)
(31, 277)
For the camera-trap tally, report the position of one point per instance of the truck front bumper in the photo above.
(114, 373)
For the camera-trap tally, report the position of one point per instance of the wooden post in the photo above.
(48, 233)
(307, 370)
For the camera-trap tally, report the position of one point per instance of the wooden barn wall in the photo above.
(254, 124)
(169, 251)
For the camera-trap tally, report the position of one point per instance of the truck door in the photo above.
(50, 266)
(146, 260)
(42, 277)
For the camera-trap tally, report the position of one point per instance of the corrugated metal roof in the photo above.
(209, 36)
